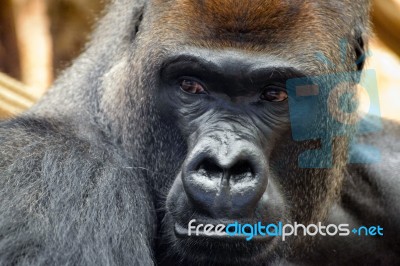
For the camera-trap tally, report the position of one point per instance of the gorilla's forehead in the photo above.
(253, 14)
(240, 16)
(253, 23)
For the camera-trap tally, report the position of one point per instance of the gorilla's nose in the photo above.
(225, 182)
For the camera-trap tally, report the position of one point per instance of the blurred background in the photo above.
(40, 38)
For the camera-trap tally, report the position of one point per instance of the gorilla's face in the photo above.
(232, 109)
(241, 163)
(230, 106)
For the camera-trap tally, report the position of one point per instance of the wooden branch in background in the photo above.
(37, 39)
(386, 20)
(15, 97)
(35, 43)
(9, 56)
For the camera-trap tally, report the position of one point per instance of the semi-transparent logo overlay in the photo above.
(251, 231)
(326, 107)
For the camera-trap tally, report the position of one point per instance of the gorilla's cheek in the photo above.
(177, 203)
(271, 207)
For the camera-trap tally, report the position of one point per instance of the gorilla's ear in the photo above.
(360, 47)
(362, 32)
(138, 17)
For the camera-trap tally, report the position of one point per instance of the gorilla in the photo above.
(179, 110)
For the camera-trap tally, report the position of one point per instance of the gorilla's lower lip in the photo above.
(183, 232)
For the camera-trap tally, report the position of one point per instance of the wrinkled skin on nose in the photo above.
(225, 173)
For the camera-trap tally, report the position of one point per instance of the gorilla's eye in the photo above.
(192, 86)
(273, 94)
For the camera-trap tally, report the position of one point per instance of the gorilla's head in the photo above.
(211, 78)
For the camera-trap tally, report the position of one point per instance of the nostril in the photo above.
(209, 167)
(242, 169)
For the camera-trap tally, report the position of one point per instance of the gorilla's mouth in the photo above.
(218, 248)
(182, 232)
